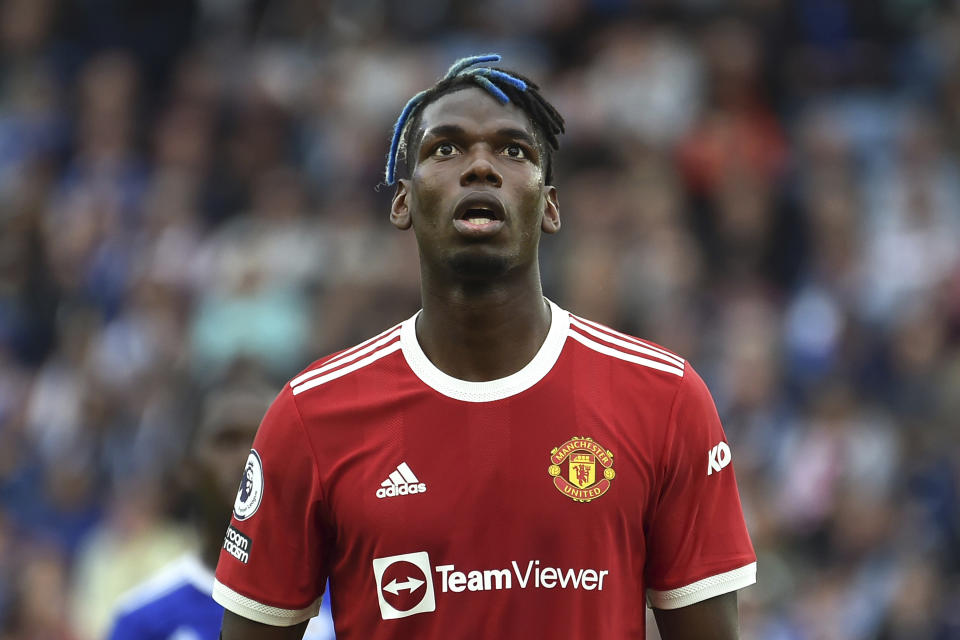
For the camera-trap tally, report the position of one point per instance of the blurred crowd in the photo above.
(190, 194)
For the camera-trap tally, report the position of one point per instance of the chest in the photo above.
(493, 481)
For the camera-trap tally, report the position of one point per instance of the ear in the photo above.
(400, 207)
(550, 223)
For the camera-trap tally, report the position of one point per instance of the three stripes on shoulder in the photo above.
(349, 361)
(590, 334)
(637, 351)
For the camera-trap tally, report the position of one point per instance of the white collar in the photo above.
(490, 390)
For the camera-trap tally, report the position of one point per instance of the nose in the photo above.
(480, 170)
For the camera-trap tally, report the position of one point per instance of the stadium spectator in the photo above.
(848, 277)
(176, 602)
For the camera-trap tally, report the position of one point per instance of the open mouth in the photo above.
(480, 209)
(479, 216)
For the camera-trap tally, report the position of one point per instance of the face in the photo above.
(219, 457)
(476, 197)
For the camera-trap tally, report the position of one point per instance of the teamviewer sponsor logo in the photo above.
(405, 582)
(404, 585)
(401, 482)
(531, 575)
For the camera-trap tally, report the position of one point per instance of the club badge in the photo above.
(575, 466)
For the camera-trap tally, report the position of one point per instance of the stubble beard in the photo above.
(473, 267)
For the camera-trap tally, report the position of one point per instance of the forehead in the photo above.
(244, 430)
(474, 108)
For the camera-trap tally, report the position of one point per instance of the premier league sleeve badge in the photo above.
(251, 488)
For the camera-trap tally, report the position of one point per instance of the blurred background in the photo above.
(188, 196)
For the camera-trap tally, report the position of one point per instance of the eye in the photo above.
(444, 149)
(515, 151)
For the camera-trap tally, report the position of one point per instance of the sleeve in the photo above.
(697, 541)
(271, 567)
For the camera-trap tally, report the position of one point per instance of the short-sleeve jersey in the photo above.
(557, 500)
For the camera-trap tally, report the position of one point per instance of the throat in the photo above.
(479, 343)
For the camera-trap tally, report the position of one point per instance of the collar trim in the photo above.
(491, 390)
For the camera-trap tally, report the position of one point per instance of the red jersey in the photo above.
(555, 500)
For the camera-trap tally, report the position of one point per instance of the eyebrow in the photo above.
(453, 130)
(517, 134)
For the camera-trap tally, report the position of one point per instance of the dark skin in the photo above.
(484, 316)
(216, 456)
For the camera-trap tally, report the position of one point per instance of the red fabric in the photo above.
(490, 499)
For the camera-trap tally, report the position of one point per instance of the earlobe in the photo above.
(551, 210)
(400, 207)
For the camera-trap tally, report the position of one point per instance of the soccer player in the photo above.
(177, 603)
(494, 466)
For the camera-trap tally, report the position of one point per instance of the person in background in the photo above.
(177, 603)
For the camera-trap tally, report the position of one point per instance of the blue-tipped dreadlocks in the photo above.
(505, 86)
(480, 78)
(398, 131)
(465, 63)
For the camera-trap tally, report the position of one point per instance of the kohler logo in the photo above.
(718, 458)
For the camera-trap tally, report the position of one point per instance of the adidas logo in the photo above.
(401, 482)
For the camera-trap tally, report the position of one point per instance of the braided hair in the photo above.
(504, 86)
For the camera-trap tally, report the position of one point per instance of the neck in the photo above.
(482, 332)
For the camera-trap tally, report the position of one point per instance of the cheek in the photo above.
(532, 196)
(528, 176)
(227, 467)
(426, 195)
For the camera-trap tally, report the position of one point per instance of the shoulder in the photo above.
(347, 362)
(642, 356)
(328, 389)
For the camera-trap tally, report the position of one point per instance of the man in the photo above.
(176, 603)
(494, 466)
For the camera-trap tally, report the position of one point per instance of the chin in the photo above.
(479, 267)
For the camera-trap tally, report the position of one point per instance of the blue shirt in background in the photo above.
(176, 604)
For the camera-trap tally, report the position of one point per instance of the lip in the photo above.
(486, 201)
(471, 230)
(480, 200)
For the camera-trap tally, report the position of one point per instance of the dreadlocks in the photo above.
(504, 86)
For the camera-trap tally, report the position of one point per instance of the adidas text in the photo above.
(401, 482)
(401, 490)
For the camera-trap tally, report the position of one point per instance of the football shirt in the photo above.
(555, 500)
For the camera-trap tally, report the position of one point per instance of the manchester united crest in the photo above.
(581, 469)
